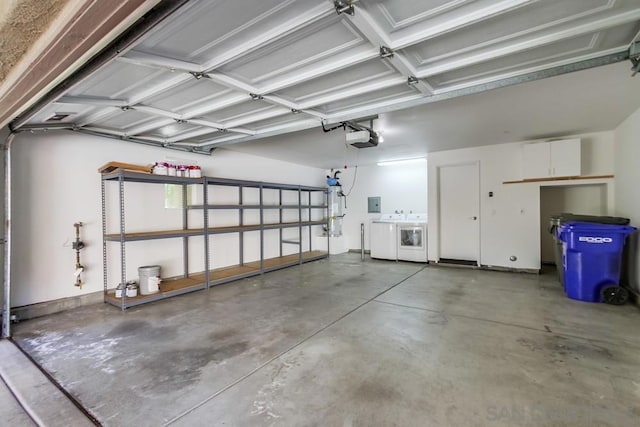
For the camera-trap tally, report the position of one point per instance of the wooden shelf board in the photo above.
(227, 272)
(155, 234)
(562, 178)
(288, 259)
(196, 281)
(130, 175)
(167, 288)
(143, 235)
(251, 206)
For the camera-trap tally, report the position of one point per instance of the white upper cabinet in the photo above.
(552, 159)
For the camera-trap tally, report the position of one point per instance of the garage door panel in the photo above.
(527, 19)
(172, 130)
(385, 95)
(191, 36)
(312, 45)
(125, 120)
(185, 96)
(368, 71)
(396, 15)
(564, 50)
(283, 120)
(239, 111)
(121, 79)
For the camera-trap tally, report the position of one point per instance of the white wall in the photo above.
(401, 187)
(627, 170)
(56, 183)
(510, 220)
(4, 133)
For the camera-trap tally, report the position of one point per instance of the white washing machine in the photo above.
(411, 238)
(383, 236)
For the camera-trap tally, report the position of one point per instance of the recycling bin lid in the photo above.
(599, 219)
(596, 227)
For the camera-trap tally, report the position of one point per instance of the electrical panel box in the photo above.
(374, 205)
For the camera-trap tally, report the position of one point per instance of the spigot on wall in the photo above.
(77, 246)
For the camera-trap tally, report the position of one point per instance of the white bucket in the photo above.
(149, 279)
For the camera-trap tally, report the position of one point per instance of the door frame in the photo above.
(475, 163)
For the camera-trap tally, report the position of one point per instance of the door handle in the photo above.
(473, 218)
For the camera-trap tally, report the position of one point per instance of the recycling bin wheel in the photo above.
(616, 295)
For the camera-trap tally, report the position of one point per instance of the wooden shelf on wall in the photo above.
(563, 178)
(182, 285)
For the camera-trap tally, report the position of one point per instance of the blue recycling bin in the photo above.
(592, 258)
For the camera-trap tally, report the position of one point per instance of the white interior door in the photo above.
(459, 212)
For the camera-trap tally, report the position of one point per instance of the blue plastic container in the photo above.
(592, 257)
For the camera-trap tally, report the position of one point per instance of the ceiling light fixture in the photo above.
(402, 161)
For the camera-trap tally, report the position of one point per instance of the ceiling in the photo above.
(227, 71)
(593, 100)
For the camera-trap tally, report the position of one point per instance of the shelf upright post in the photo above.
(185, 226)
(326, 210)
(280, 218)
(205, 221)
(241, 223)
(300, 225)
(310, 227)
(123, 266)
(261, 230)
(104, 240)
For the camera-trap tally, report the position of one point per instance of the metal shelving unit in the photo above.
(190, 282)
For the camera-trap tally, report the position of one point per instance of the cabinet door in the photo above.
(565, 158)
(536, 161)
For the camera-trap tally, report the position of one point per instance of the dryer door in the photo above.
(412, 242)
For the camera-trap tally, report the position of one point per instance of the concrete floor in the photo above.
(340, 342)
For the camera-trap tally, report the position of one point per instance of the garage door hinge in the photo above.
(199, 76)
(343, 6)
(386, 52)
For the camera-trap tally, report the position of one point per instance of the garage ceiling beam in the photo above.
(352, 57)
(146, 141)
(294, 107)
(237, 85)
(95, 101)
(220, 127)
(137, 57)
